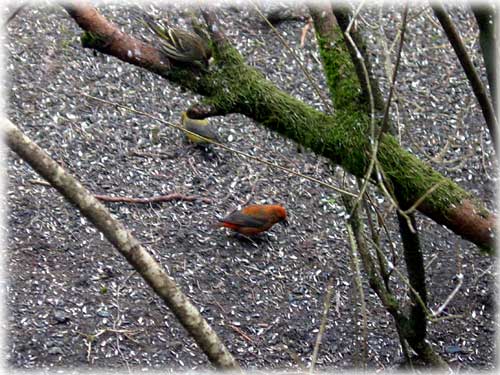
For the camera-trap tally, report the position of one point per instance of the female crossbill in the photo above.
(181, 45)
(254, 219)
(200, 127)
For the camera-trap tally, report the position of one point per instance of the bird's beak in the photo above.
(285, 222)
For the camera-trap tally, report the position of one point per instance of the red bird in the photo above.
(253, 219)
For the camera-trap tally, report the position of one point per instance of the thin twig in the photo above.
(392, 200)
(419, 201)
(92, 337)
(385, 122)
(359, 286)
(241, 333)
(305, 29)
(432, 260)
(39, 182)
(260, 160)
(374, 142)
(381, 223)
(483, 160)
(155, 199)
(324, 319)
(438, 312)
(376, 243)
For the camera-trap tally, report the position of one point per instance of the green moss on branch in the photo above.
(232, 86)
(340, 73)
(93, 40)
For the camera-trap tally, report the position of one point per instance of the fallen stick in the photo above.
(159, 198)
(156, 199)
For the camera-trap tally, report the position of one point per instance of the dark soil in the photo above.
(74, 302)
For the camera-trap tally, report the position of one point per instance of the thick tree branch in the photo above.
(231, 86)
(116, 233)
(471, 73)
(343, 83)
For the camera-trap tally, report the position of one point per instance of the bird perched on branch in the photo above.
(254, 219)
(181, 45)
(200, 127)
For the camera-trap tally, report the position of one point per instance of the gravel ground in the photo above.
(75, 303)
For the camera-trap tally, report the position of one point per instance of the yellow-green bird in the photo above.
(181, 45)
(200, 127)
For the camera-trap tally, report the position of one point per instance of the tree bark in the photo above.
(232, 86)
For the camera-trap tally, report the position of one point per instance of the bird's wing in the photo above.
(203, 130)
(170, 43)
(174, 53)
(155, 27)
(238, 218)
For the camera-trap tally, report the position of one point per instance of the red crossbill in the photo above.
(254, 219)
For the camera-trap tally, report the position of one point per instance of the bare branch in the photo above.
(441, 308)
(359, 287)
(485, 14)
(324, 320)
(471, 73)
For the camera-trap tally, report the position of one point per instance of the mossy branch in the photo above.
(232, 86)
